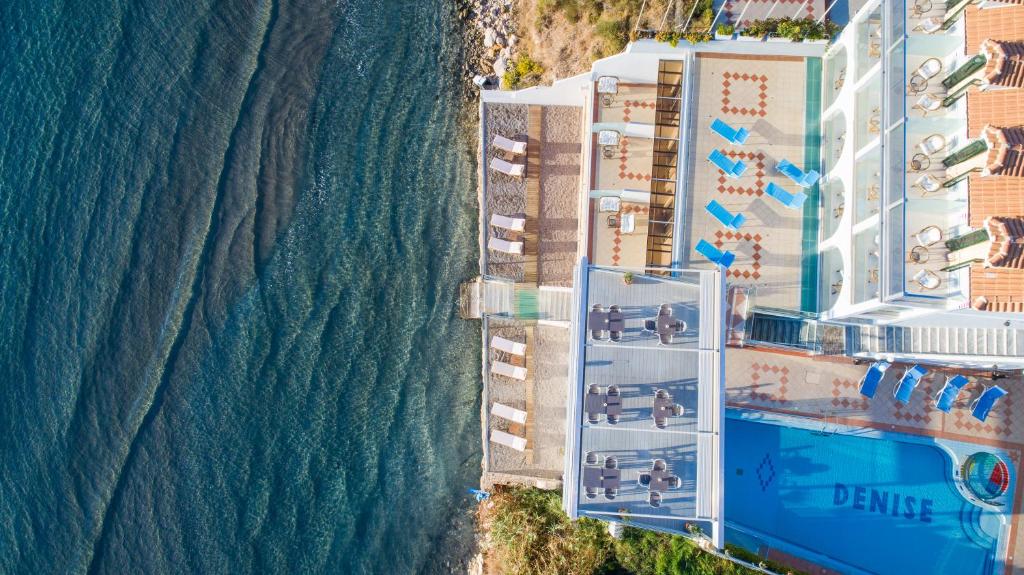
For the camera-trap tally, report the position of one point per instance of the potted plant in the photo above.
(627, 278)
(819, 32)
(782, 30)
(724, 32)
(755, 32)
(698, 37)
(789, 30)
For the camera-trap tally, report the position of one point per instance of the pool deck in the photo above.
(827, 389)
(766, 95)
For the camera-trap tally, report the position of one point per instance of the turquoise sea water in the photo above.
(231, 237)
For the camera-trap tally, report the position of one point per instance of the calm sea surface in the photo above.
(231, 234)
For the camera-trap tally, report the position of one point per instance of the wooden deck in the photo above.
(531, 233)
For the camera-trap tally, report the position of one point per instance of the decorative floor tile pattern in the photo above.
(846, 394)
(768, 376)
(759, 9)
(624, 172)
(755, 171)
(768, 96)
(757, 105)
(754, 241)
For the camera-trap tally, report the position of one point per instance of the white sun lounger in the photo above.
(508, 346)
(509, 145)
(508, 440)
(509, 370)
(500, 245)
(507, 168)
(509, 413)
(514, 224)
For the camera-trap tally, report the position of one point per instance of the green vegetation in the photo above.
(627, 278)
(795, 29)
(725, 30)
(522, 72)
(529, 535)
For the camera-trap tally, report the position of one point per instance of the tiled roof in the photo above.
(1005, 150)
(1007, 249)
(998, 289)
(1005, 64)
(1005, 24)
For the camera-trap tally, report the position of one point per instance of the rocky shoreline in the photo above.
(491, 38)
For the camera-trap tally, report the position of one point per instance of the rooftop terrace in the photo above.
(680, 428)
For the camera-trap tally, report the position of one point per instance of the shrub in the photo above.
(670, 36)
(531, 535)
(615, 33)
(789, 28)
(698, 37)
(726, 29)
(522, 72)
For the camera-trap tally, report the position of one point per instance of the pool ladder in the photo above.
(824, 431)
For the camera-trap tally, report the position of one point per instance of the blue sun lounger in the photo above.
(947, 395)
(793, 201)
(799, 177)
(907, 383)
(869, 384)
(724, 216)
(714, 254)
(731, 135)
(984, 404)
(731, 168)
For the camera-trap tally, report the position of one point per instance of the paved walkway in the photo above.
(766, 96)
(759, 9)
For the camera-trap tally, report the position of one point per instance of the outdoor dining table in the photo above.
(663, 407)
(613, 405)
(667, 324)
(603, 403)
(660, 480)
(601, 477)
(606, 320)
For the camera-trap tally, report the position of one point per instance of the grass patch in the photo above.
(529, 535)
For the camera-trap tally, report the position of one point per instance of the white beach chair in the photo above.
(636, 196)
(930, 25)
(509, 145)
(932, 144)
(508, 440)
(927, 279)
(508, 370)
(505, 246)
(607, 85)
(609, 204)
(928, 103)
(509, 413)
(514, 224)
(608, 137)
(636, 130)
(508, 168)
(627, 224)
(508, 346)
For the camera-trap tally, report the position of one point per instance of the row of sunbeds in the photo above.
(735, 169)
(517, 417)
(514, 147)
(944, 399)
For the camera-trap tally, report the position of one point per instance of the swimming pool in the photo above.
(863, 501)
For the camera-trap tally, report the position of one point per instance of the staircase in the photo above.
(783, 328)
(995, 345)
(554, 304)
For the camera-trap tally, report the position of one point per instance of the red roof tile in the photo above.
(1005, 65)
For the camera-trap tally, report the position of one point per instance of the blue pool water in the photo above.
(861, 502)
